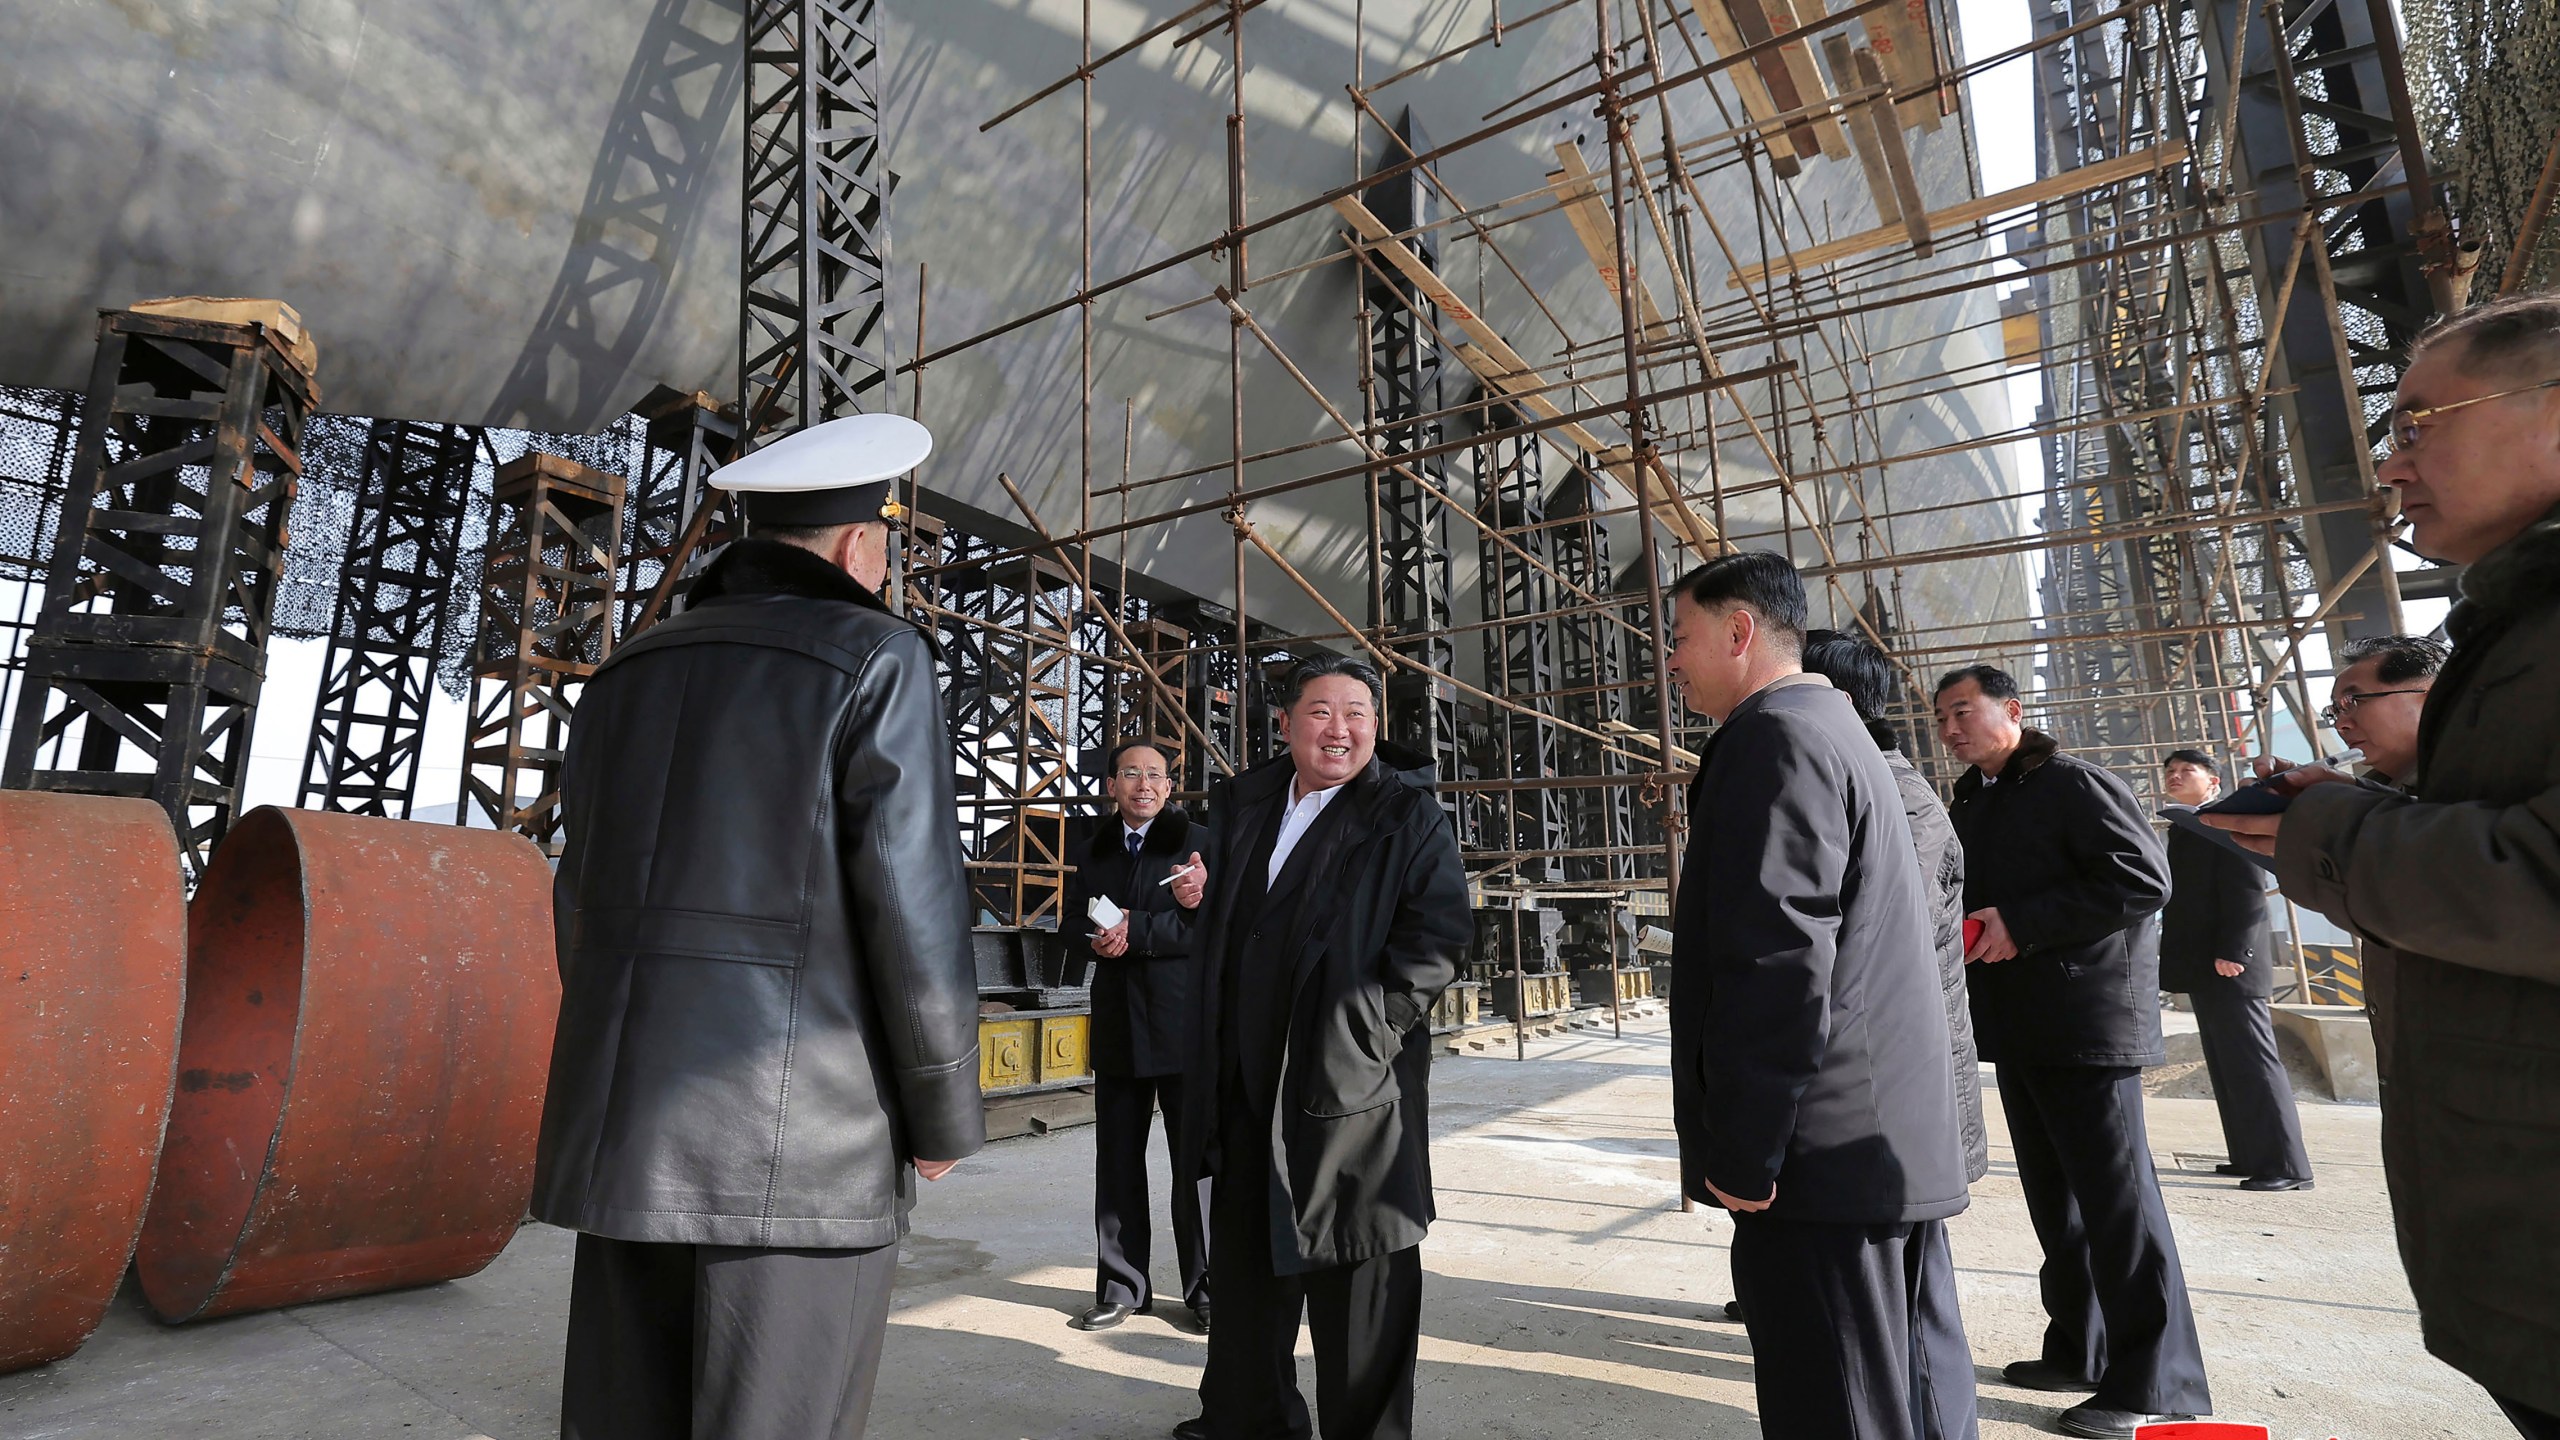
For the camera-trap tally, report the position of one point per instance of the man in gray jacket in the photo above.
(2456, 888)
(768, 1014)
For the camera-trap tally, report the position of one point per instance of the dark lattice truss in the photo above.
(368, 731)
(689, 437)
(143, 674)
(1591, 675)
(1520, 596)
(814, 330)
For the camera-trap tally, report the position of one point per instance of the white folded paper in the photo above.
(1104, 913)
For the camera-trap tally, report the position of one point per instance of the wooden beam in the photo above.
(1725, 38)
(1802, 74)
(1899, 34)
(1865, 133)
(1577, 189)
(1500, 367)
(1897, 158)
(2112, 171)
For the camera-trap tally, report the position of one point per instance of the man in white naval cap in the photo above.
(768, 1018)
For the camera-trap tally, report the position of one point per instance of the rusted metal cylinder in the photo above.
(369, 1013)
(93, 964)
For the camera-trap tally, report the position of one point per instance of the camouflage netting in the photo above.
(39, 427)
(2485, 77)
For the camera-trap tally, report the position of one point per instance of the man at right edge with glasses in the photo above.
(2455, 886)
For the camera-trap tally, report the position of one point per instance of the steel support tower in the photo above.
(1520, 596)
(546, 623)
(690, 435)
(814, 333)
(1591, 671)
(1413, 522)
(369, 727)
(147, 660)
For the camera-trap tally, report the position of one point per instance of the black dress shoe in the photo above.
(2099, 1423)
(1733, 1311)
(1103, 1317)
(2044, 1375)
(1195, 1428)
(2227, 1168)
(2266, 1183)
(1199, 1317)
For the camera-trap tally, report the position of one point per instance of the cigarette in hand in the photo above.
(1176, 875)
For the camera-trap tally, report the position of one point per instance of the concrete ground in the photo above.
(1568, 1296)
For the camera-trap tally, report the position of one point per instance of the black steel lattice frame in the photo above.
(1415, 573)
(814, 334)
(689, 435)
(1520, 646)
(1591, 671)
(369, 724)
(192, 450)
(546, 623)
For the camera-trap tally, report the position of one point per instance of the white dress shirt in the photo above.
(1294, 824)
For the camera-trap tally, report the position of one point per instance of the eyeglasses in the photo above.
(2330, 712)
(1154, 777)
(2408, 425)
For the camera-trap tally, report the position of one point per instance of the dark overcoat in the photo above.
(1375, 934)
(1809, 1045)
(768, 1004)
(1142, 1005)
(2456, 891)
(2065, 853)
(2217, 911)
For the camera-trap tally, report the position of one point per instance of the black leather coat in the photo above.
(1373, 934)
(1142, 1015)
(2066, 854)
(1809, 1046)
(2217, 911)
(768, 1002)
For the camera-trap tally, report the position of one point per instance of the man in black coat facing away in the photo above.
(1142, 989)
(768, 1012)
(1810, 1074)
(2064, 873)
(2216, 948)
(1333, 912)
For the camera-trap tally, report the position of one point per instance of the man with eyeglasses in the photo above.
(2374, 704)
(2456, 887)
(1142, 1000)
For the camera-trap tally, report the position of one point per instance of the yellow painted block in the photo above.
(1005, 1053)
(1063, 1053)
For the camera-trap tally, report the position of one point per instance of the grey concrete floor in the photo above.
(1568, 1296)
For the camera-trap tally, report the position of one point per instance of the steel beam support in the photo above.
(148, 658)
(546, 623)
(369, 726)
(814, 334)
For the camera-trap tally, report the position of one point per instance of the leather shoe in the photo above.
(1195, 1428)
(2043, 1375)
(2228, 1168)
(1199, 1317)
(2095, 1421)
(2266, 1183)
(1103, 1317)
(1733, 1311)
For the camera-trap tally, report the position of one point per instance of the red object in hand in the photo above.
(1972, 934)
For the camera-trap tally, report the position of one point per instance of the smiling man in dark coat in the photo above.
(1142, 1017)
(2064, 872)
(768, 1012)
(1811, 1075)
(1333, 912)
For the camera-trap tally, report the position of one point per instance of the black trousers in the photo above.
(2115, 1298)
(1123, 1218)
(1366, 1317)
(713, 1342)
(2532, 1424)
(2259, 1125)
(1855, 1334)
